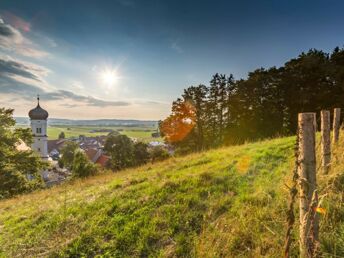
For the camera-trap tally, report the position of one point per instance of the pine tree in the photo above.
(265, 104)
(196, 96)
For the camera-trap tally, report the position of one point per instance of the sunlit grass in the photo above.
(228, 202)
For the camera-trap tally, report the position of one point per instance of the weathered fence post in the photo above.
(336, 124)
(325, 140)
(307, 176)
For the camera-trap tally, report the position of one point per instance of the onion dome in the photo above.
(38, 113)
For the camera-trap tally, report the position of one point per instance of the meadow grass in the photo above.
(143, 134)
(228, 202)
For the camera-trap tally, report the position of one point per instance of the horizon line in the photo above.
(95, 119)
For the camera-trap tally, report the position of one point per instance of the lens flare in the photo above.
(320, 210)
(179, 125)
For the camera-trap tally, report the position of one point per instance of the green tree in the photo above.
(141, 154)
(82, 167)
(19, 170)
(217, 108)
(67, 153)
(213, 111)
(62, 135)
(159, 128)
(265, 104)
(197, 96)
(121, 149)
(308, 86)
(159, 153)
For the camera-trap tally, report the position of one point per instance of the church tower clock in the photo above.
(38, 119)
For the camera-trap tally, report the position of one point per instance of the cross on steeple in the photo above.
(38, 99)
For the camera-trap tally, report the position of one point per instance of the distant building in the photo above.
(93, 154)
(156, 143)
(97, 156)
(38, 119)
(54, 147)
(91, 142)
(103, 160)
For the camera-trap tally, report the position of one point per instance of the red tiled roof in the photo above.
(103, 160)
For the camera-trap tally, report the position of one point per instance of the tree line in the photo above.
(125, 153)
(265, 104)
(122, 150)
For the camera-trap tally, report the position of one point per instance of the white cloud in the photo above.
(11, 67)
(21, 81)
(77, 84)
(26, 80)
(12, 40)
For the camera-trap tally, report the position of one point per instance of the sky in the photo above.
(129, 59)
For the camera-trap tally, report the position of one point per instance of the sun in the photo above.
(109, 77)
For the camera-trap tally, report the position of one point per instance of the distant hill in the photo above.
(229, 202)
(98, 122)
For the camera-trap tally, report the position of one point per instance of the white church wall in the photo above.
(39, 131)
(39, 127)
(38, 119)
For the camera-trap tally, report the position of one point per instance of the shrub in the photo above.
(68, 152)
(82, 167)
(62, 135)
(159, 153)
(141, 153)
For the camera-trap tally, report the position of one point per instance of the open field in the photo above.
(141, 133)
(229, 202)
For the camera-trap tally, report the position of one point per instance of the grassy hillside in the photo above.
(229, 202)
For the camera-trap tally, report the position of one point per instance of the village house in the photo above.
(92, 146)
(97, 156)
(54, 148)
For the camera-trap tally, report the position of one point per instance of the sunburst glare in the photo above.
(109, 77)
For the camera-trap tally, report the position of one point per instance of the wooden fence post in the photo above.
(336, 124)
(307, 176)
(325, 140)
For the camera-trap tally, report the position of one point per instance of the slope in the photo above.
(221, 203)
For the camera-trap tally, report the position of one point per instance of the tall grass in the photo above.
(229, 202)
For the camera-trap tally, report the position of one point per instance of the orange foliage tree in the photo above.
(180, 123)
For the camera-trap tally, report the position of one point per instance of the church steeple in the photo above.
(38, 113)
(38, 118)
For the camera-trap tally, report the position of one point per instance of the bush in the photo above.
(141, 153)
(68, 151)
(82, 167)
(159, 153)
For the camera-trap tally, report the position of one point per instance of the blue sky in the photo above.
(151, 50)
